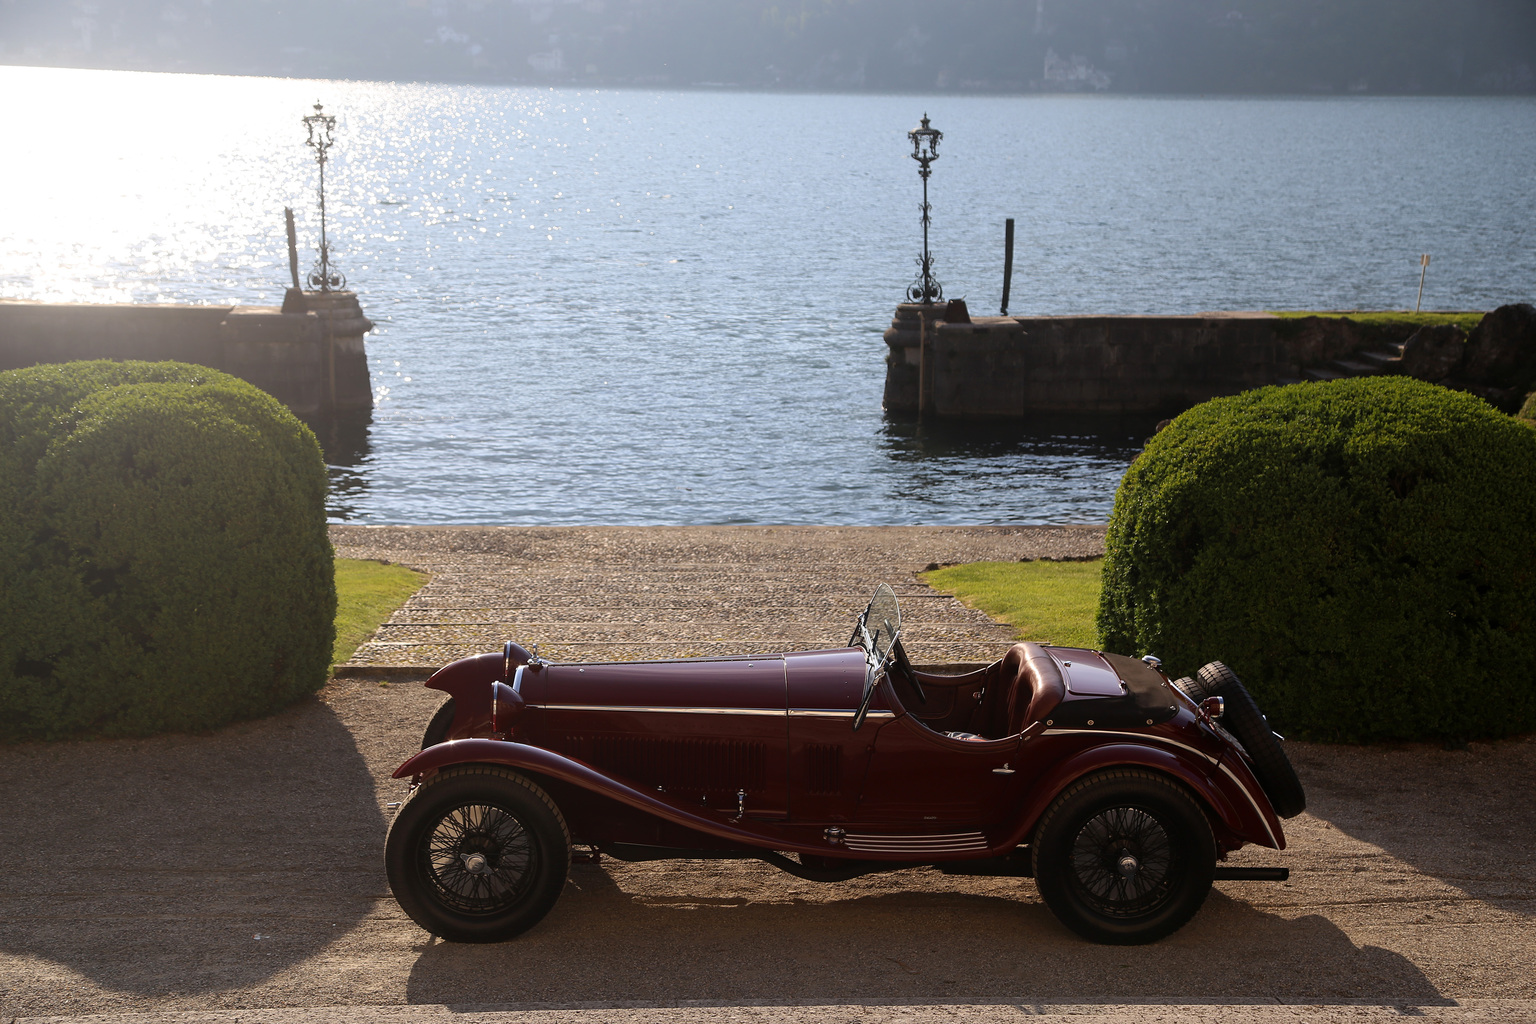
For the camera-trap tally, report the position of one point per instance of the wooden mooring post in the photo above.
(1007, 261)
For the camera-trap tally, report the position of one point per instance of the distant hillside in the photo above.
(1147, 46)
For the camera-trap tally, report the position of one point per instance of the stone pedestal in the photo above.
(906, 385)
(342, 326)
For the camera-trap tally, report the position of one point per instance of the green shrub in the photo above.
(164, 562)
(1528, 410)
(1362, 553)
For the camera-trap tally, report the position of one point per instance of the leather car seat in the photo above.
(1039, 687)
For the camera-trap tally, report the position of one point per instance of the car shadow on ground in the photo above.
(604, 944)
(1457, 815)
(187, 864)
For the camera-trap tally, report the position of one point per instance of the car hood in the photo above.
(717, 684)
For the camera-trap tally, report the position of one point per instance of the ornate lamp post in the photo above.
(322, 129)
(925, 150)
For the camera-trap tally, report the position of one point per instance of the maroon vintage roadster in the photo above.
(1118, 790)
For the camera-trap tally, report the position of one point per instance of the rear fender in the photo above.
(555, 766)
(1222, 792)
(1248, 794)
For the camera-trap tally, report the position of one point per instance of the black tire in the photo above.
(1243, 719)
(479, 811)
(437, 729)
(1092, 825)
(1192, 688)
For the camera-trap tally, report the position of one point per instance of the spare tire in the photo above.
(1243, 719)
(1191, 688)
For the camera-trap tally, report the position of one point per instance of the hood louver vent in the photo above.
(708, 766)
(824, 769)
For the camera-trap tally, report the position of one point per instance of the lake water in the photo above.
(666, 307)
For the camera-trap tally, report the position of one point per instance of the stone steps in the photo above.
(1369, 363)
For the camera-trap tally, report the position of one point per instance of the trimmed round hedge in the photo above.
(1361, 552)
(164, 561)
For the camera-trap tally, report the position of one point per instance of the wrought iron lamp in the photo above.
(925, 150)
(322, 129)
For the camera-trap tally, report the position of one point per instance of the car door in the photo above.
(920, 779)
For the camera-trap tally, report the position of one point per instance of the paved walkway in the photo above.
(624, 593)
(1492, 1011)
(235, 876)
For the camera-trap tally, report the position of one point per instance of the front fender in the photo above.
(468, 681)
(1224, 791)
(557, 766)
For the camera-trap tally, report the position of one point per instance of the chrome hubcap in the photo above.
(1128, 866)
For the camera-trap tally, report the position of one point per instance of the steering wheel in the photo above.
(904, 666)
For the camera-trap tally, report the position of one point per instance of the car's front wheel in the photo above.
(1124, 857)
(437, 729)
(477, 854)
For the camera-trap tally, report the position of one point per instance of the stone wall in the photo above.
(999, 367)
(1008, 367)
(314, 362)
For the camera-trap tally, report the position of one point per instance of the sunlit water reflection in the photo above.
(652, 307)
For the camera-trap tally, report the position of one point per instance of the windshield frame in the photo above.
(879, 644)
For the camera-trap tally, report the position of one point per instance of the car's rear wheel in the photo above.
(1124, 857)
(1243, 719)
(477, 854)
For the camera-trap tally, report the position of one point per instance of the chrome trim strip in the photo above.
(915, 835)
(831, 713)
(906, 844)
(951, 843)
(517, 680)
(907, 840)
(1134, 735)
(909, 851)
(775, 712)
(1254, 803)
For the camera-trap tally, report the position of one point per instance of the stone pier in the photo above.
(1007, 367)
(313, 361)
(943, 362)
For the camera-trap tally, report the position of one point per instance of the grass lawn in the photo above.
(1466, 321)
(1047, 602)
(367, 593)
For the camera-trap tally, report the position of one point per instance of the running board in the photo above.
(1253, 874)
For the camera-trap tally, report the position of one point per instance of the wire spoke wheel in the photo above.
(477, 853)
(1122, 861)
(1124, 856)
(479, 859)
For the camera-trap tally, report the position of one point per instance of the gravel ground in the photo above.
(621, 593)
(237, 875)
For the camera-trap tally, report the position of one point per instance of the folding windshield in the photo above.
(879, 625)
